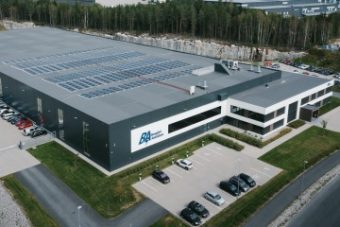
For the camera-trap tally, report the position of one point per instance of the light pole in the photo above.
(78, 211)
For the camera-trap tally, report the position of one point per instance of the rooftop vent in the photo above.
(266, 85)
(203, 71)
(192, 90)
(203, 86)
(233, 65)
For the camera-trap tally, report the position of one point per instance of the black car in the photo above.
(198, 209)
(239, 183)
(191, 217)
(38, 132)
(250, 181)
(230, 188)
(161, 176)
(14, 119)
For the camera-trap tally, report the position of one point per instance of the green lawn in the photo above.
(169, 221)
(110, 195)
(311, 145)
(334, 103)
(31, 207)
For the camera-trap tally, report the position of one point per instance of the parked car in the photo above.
(214, 197)
(38, 132)
(7, 115)
(4, 111)
(248, 179)
(22, 120)
(230, 188)
(161, 176)
(184, 163)
(25, 124)
(238, 182)
(14, 119)
(28, 131)
(276, 66)
(191, 217)
(198, 209)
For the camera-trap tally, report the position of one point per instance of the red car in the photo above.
(25, 125)
(21, 121)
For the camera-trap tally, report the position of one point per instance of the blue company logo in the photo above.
(147, 136)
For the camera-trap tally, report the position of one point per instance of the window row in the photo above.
(256, 116)
(315, 95)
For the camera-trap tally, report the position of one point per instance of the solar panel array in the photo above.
(116, 69)
(138, 83)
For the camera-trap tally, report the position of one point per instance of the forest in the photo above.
(189, 18)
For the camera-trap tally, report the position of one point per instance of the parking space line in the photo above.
(263, 173)
(7, 148)
(174, 173)
(149, 186)
(215, 152)
(197, 162)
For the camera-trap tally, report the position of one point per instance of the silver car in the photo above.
(214, 197)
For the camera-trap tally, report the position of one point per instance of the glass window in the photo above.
(39, 105)
(313, 96)
(194, 119)
(321, 93)
(1, 92)
(278, 124)
(60, 117)
(329, 89)
(305, 100)
(280, 111)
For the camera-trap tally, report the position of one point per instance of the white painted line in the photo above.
(263, 173)
(196, 161)
(203, 158)
(150, 187)
(174, 173)
(7, 148)
(216, 152)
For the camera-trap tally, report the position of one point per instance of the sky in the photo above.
(117, 2)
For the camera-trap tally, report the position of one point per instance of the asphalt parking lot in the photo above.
(12, 159)
(212, 164)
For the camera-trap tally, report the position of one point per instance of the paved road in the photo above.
(284, 198)
(323, 210)
(61, 203)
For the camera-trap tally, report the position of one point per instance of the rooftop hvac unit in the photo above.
(203, 86)
(192, 90)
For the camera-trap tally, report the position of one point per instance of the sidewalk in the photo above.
(258, 152)
(287, 195)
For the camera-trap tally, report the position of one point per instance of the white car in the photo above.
(28, 131)
(184, 163)
(8, 115)
(214, 197)
(5, 109)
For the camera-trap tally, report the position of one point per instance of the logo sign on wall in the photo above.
(147, 136)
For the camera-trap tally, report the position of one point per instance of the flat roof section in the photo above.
(288, 86)
(106, 79)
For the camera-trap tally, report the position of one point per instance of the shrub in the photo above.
(281, 133)
(241, 136)
(296, 124)
(226, 142)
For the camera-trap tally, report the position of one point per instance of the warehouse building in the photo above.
(117, 102)
(289, 7)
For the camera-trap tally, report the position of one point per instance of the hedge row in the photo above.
(242, 137)
(226, 142)
(251, 140)
(296, 124)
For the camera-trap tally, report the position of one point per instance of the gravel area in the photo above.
(305, 198)
(11, 214)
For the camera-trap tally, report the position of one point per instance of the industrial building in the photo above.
(83, 2)
(289, 7)
(118, 102)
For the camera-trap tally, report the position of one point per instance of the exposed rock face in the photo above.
(201, 47)
(11, 25)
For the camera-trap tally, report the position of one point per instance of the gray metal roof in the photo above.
(288, 86)
(111, 80)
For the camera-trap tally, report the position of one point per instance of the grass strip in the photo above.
(31, 207)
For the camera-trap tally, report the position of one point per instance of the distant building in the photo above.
(75, 1)
(290, 7)
(125, 2)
